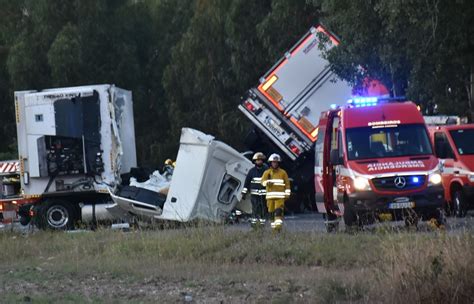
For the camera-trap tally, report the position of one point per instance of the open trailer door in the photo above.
(207, 183)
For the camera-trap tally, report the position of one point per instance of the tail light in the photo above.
(295, 149)
(249, 106)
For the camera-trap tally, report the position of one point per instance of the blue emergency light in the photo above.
(415, 179)
(359, 102)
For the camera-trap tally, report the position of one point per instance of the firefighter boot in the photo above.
(277, 224)
(254, 223)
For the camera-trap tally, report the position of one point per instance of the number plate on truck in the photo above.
(404, 205)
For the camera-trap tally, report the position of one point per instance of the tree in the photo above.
(64, 57)
(417, 48)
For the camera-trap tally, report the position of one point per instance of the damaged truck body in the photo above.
(75, 145)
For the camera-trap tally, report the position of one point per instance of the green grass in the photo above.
(216, 263)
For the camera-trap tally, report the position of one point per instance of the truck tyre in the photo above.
(57, 215)
(459, 203)
(24, 220)
(350, 216)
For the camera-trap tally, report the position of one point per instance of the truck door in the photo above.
(445, 153)
(331, 161)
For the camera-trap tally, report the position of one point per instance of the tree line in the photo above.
(188, 62)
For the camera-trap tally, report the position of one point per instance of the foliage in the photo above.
(189, 61)
(421, 49)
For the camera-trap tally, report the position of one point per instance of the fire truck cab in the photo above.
(374, 160)
(453, 146)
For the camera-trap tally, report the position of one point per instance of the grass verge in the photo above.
(215, 264)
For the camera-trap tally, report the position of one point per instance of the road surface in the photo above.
(310, 223)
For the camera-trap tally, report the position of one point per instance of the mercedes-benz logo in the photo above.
(400, 182)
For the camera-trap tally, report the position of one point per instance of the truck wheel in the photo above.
(57, 215)
(24, 220)
(459, 203)
(350, 216)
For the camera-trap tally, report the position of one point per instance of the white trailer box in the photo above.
(72, 139)
(287, 103)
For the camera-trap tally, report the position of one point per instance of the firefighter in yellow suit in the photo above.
(275, 179)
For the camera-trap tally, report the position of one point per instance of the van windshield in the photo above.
(463, 140)
(399, 140)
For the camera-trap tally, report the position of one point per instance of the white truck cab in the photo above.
(207, 182)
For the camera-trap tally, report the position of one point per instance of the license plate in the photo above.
(404, 205)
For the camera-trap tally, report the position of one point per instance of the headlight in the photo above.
(435, 179)
(361, 183)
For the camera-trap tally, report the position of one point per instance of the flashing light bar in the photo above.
(372, 101)
(363, 101)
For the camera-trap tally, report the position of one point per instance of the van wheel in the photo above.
(459, 203)
(350, 216)
(57, 215)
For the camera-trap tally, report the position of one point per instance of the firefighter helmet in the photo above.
(274, 157)
(169, 162)
(258, 155)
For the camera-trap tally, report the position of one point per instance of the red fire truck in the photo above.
(374, 159)
(9, 190)
(453, 145)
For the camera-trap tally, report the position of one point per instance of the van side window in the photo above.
(442, 148)
(318, 161)
(339, 144)
(335, 134)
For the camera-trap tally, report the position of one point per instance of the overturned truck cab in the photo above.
(206, 184)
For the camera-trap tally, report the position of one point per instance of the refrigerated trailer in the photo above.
(284, 108)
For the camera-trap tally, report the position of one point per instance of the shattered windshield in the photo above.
(463, 139)
(392, 141)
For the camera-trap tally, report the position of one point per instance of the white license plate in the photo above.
(401, 205)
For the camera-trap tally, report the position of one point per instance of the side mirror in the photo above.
(334, 158)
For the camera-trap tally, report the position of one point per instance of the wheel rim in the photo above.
(457, 201)
(57, 216)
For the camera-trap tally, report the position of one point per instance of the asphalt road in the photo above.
(316, 223)
(313, 223)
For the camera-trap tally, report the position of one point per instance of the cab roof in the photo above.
(390, 113)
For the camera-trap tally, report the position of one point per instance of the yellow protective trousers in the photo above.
(276, 206)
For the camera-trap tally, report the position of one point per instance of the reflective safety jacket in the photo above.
(253, 182)
(277, 183)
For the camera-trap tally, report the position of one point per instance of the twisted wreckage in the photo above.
(77, 158)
